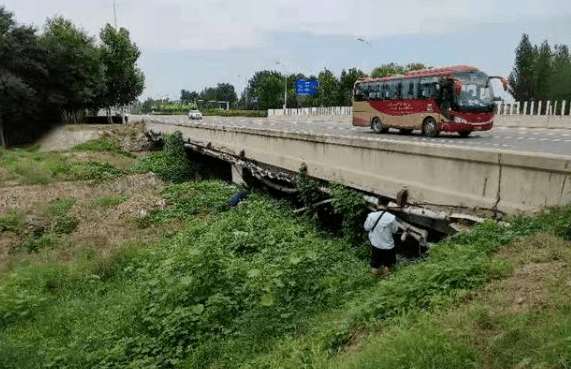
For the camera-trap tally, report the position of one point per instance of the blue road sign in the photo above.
(306, 87)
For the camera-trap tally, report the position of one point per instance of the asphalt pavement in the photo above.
(540, 141)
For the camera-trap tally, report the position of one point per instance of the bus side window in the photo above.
(416, 88)
(405, 89)
(375, 89)
(385, 90)
(394, 90)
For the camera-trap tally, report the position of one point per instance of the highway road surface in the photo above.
(541, 141)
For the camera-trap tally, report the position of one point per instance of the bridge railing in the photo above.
(557, 108)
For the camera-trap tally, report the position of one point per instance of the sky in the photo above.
(191, 45)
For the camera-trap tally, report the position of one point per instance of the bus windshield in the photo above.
(476, 94)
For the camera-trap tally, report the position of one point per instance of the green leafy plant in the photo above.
(170, 164)
(12, 221)
(59, 207)
(94, 170)
(65, 224)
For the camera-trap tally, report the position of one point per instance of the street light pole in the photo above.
(367, 43)
(245, 90)
(285, 86)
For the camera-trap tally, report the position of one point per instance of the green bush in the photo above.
(65, 224)
(170, 164)
(12, 221)
(95, 171)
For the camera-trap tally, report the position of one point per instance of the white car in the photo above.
(194, 114)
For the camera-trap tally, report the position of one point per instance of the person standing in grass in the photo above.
(381, 226)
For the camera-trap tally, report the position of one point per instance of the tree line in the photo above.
(57, 74)
(266, 89)
(541, 73)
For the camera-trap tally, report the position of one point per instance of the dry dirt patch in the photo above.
(526, 290)
(101, 228)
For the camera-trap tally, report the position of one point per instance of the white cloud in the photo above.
(225, 24)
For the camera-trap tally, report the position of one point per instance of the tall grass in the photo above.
(255, 287)
(240, 278)
(39, 168)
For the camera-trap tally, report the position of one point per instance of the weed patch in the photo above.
(170, 164)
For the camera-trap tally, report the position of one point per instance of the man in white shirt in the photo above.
(381, 226)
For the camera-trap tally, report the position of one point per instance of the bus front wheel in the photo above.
(430, 127)
(377, 125)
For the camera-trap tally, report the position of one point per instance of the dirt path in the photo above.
(65, 137)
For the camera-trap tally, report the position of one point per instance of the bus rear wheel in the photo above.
(377, 125)
(464, 133)
(430, 127)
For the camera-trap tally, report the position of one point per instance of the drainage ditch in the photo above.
(418, 227)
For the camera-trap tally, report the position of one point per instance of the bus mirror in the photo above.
(458, 87)
(505, 84)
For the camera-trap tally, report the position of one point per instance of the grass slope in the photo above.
(194, 284)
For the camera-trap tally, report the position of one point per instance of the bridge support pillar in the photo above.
(237, 174)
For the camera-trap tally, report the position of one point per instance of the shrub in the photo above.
(12, 221)
(170, 164)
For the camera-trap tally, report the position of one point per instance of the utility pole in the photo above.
(115, 14)
(285, 85)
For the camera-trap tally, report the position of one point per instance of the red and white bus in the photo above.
(451, 99)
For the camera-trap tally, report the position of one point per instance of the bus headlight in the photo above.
(460, 120)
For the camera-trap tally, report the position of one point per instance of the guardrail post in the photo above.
(525, 108)
(548, 107)
(539, 108)
(531, 112)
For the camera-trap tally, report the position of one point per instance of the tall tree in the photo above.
(387, 70)
(187, 96)
(522, 78)
(124, 80)
(75, 68)
(266, 89)
(225, 92)
(346, 82)
(23, 80)
(543, 70)
(560, 80)
(209, 94)
(328, 88)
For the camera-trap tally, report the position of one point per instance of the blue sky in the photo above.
(196, 44)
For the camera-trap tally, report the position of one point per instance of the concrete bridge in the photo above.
(436, 175)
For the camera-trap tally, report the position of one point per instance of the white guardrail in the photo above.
(556, 108)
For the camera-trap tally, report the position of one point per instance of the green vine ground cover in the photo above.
(257, 287)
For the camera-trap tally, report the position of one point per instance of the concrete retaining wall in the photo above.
(434, 174)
